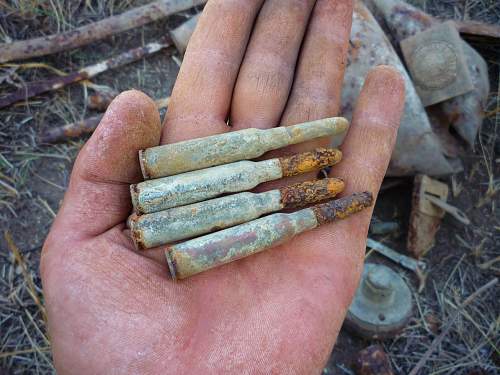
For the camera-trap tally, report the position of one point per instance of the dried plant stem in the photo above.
(450, 323)
(80, 36)
(27, 277)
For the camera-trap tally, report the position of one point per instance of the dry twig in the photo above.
(448, 325)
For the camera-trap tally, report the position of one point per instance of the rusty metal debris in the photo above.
(437, 63)
(409, 263)
(478, 30)
(80, 128)
(383, 227)
(184, 222)
(417, 148)
(373, 360)
(200, 254)
(36, 88)
(229, 147)
(101, 99)
(382, 305)
(83, 35)
(195, 186)
(425, 217)
(464, 113)
(181, 35)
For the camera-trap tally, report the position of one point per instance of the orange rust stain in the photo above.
(342, 208)
(302, 194)
(309, 161)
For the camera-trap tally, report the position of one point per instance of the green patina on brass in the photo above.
(194, 154)
(179, 223)
(186, 188)
(212, 250)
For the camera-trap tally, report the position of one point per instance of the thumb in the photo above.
(98, 195)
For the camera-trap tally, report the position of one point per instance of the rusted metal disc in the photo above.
(434, 65)
(382, 305)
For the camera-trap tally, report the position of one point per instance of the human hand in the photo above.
(113, 310)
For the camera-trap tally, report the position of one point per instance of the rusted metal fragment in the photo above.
(181, 35)
(179, 190)
(36, 88)
(465, 112)
(184, 222)
(382, 305)
(373, 360)
(80, 128)
(477, 29)
(309, 161)
(73, 130)
(417, 149)
(194, 154)
(101, 99)
(83, 35)
(437, 63)
(203, 253)
(308, 192)
(425, 217)
(341, 208)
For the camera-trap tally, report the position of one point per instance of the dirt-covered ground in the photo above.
(33, 178)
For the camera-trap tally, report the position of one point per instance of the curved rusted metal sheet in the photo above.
(417, 148)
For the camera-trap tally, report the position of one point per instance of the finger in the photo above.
(98, 195)
(368, 146)
(367, 150)
(267, 71)
(317, 87)
(316, 90)
(202, 93)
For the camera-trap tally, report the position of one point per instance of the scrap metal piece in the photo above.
(404, 261)
(425, 216)
(181, 35)
(194, 154)
(383, 227)
(437, 63)
(179, 223)
(212, 250)
(179, 190)
(464, 113)
(417, 148)
(373, 360)
(382, 305)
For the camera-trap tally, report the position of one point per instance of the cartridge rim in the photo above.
(171, 264)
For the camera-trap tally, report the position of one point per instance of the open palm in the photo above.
(113, 310)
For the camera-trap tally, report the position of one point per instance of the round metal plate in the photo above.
(374, 318)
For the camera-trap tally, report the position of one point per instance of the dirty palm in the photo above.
(262, 64)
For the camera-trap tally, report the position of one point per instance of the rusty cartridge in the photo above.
(229, 147)
(186, 188)
(214, 249)
(189, 221)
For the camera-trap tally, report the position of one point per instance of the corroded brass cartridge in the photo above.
(229, 147)
(189, 221)
(167, 192)
(212, 250)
